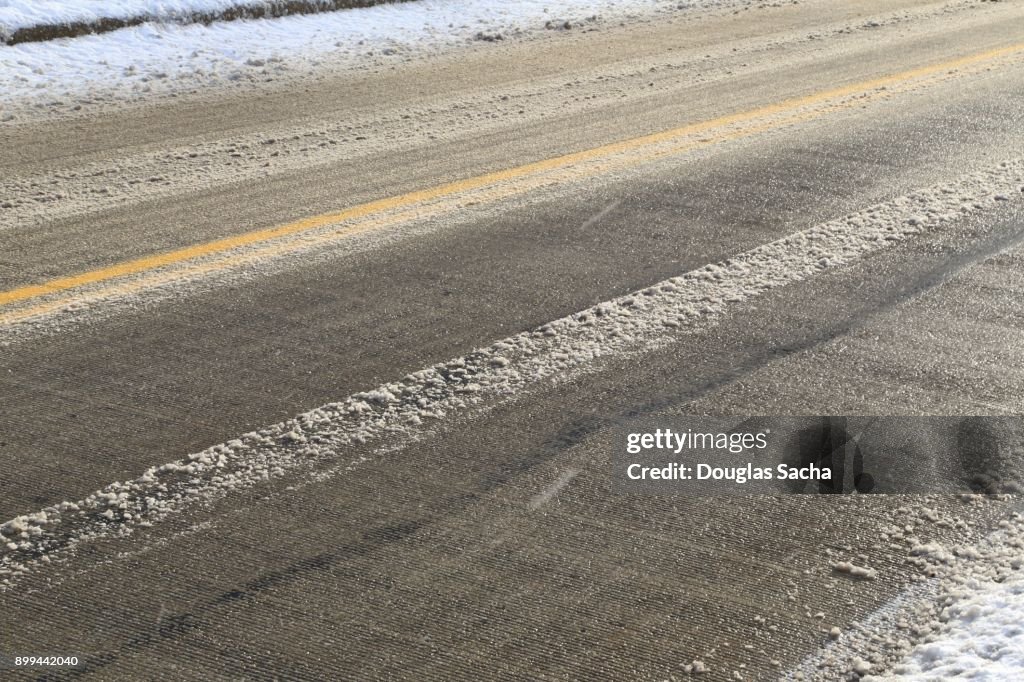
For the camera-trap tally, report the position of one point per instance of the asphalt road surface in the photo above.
(175, 276)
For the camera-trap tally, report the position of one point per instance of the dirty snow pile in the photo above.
(20, 14)
(171, 58)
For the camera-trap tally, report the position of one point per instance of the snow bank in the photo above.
(169, 58)
(21, 22)
(394, 414)
(20, 14)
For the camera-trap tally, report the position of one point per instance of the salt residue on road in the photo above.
(404, 410)
(169, 59)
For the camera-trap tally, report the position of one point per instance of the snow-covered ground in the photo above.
(963, 619)
(170, 58)
(983, 639)
(19, 14)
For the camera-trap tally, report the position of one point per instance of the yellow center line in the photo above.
(371, 208)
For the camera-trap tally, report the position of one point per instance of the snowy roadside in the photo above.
(169, 59)
(394, 414)
(962, 620)
(983, 638)
(29, 21)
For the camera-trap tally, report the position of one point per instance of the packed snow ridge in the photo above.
(403, 410)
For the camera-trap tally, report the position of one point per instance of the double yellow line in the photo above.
(26, 294)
